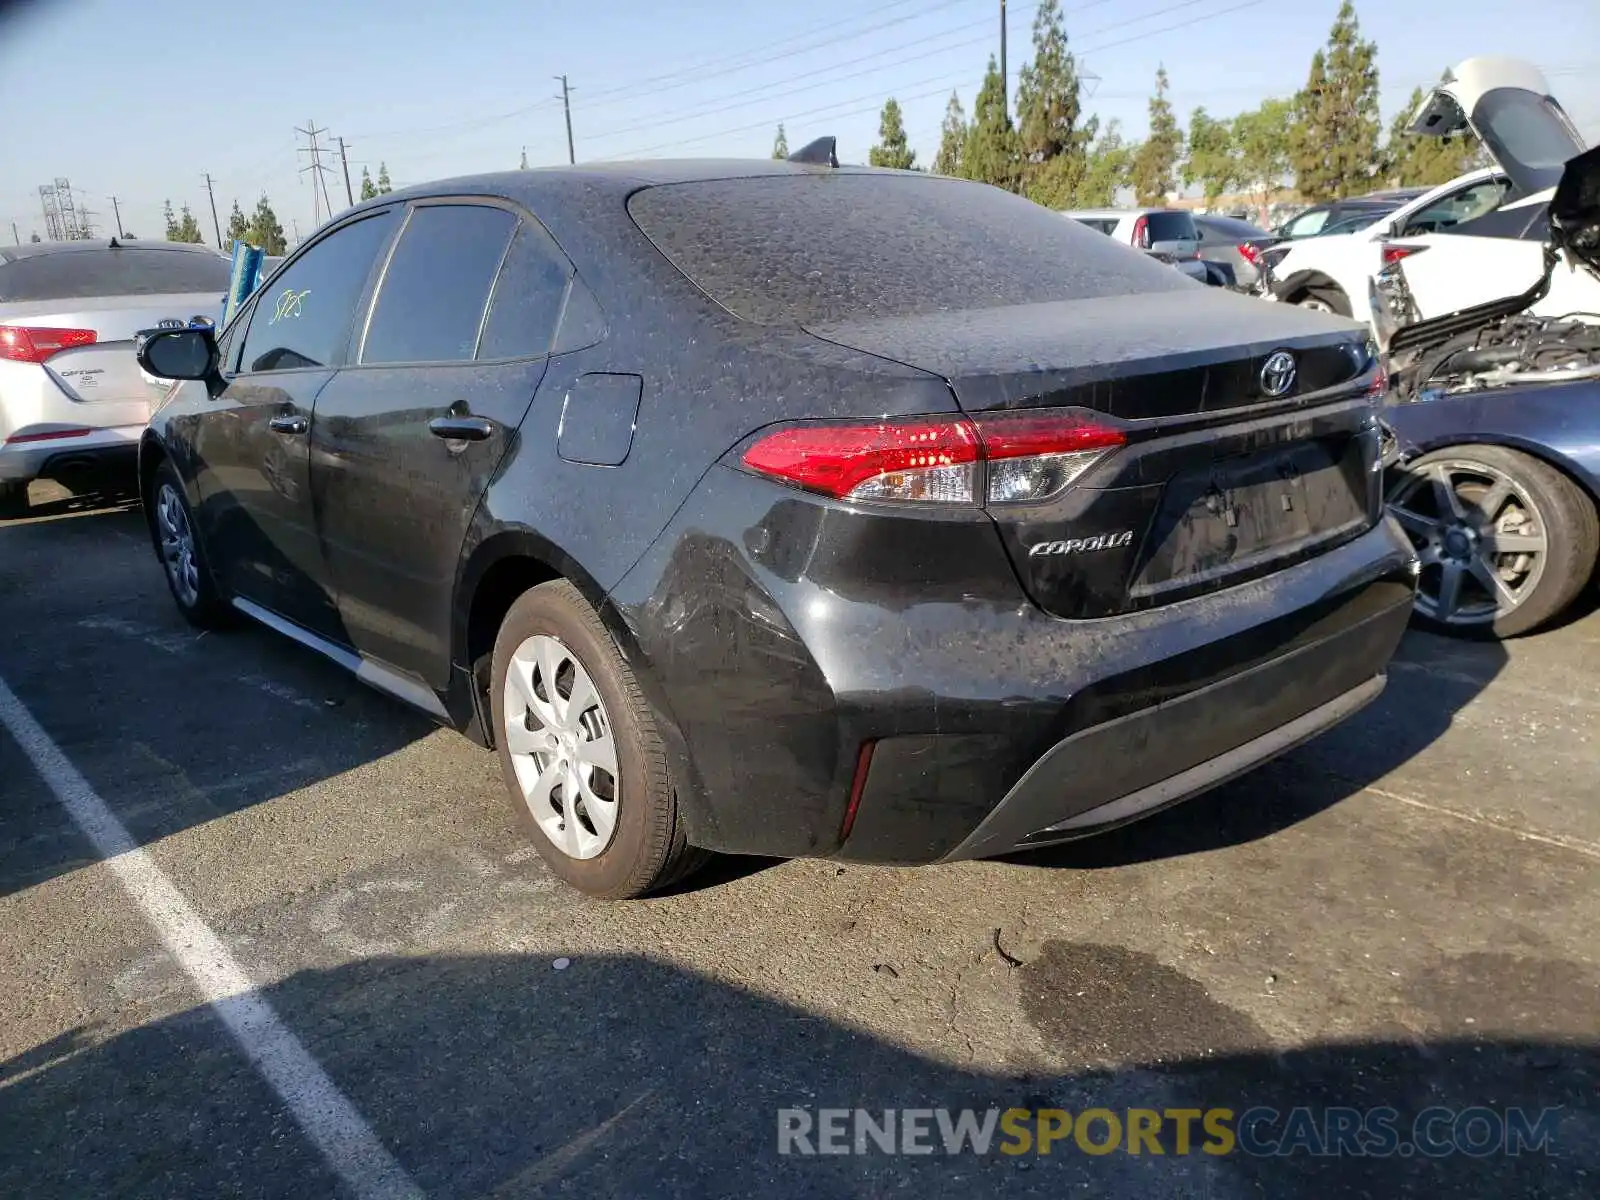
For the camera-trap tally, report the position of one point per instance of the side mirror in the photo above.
(177, 353)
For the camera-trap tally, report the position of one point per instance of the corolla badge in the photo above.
(1101, 541)
(1277, 374)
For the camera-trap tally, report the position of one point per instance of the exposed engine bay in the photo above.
(1498, 345)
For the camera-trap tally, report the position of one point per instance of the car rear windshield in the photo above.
(1171, 227)
(102, 271)
(820, 248)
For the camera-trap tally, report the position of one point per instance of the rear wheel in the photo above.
(1326, 299)
(1507, 542)
(13, 498)
(583, 763)
(182, 557)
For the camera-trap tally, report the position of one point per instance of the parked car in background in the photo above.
(71, 394)
(1495, 413)
(1236, 243)
(1002, 537)
(1168, 234)
(1342, 216)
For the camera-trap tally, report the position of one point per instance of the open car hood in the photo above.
(1574, 229)
(1507, 103)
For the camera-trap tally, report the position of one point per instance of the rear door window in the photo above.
(1306, 223)
(430, 305)
(527, 299)
(303, 318)
(101, 271)
(820, 248)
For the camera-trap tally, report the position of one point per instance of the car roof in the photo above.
(35, 249)
(1118, 212)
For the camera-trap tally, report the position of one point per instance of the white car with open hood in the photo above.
(1508, 105)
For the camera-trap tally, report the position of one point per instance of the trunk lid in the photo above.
(1507, 103)
(105, 371)
(1231, 468)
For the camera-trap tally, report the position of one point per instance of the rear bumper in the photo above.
(777, 637)
(58, 456)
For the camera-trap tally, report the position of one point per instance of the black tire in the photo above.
(1330, 297)
(647, 849)
(13, 499)
(202, 604)
(1572, 535)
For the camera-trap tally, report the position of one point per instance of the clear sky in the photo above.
(141, 105)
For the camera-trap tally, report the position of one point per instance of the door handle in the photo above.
(290, 423)
(462, 428)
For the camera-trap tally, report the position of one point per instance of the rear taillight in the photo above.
(1016, 458)
(35, 343)
(1141, 232)
(1249, 253)
(1393, 254)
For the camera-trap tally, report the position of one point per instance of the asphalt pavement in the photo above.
(326, 963)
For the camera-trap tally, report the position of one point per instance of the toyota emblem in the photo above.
(1277, 373)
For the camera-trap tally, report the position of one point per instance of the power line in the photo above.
(1078, 51)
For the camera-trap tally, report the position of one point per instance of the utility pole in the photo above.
(1004, 103)
(15, 236)
(566, 103)
(295, 225)
(215, 224)
(344, 161)
(118, 213)
(316, 167)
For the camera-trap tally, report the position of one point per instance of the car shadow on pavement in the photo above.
(623, 1076)
(1415, 709)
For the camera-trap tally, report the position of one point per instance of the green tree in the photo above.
(1153, 172)
(1049, 109)
(1213, 159)
(990, 152)
(188, 228)
(265, 230)
(238, 227)
(368, 188)
(1105, 170)
(1262, 137)
(780, 144)
(1416, 160)
(892, 149)
(952, 138)
(1334, 146)
(383, 179)
(168, 216)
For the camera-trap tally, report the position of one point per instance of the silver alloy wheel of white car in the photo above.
(559, 737)
(1316, 304)
(177, 545)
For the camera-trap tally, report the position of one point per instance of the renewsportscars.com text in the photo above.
(1259, 1131)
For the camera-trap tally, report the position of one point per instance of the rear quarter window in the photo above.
(102, 271)
(820, 248)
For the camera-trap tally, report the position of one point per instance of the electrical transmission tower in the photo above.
(63, 219)
(320, 208)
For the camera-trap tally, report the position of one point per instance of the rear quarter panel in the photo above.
(1559, 423)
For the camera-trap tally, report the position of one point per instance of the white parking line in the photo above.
(328, 1119)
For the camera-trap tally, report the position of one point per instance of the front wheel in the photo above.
(1507, 542)
(172, 527)
(1328, 300)
(583, 763)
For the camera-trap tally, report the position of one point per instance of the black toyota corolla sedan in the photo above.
(788, 509)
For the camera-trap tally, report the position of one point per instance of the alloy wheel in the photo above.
(1482, 540)
(560, 740)
(177, 545)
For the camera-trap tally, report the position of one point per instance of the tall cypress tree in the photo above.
(892, 149)
(952, 138)
(1154, 170)
(990, 153)
(1049, 105)
(780, 144)
(1334, 143)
